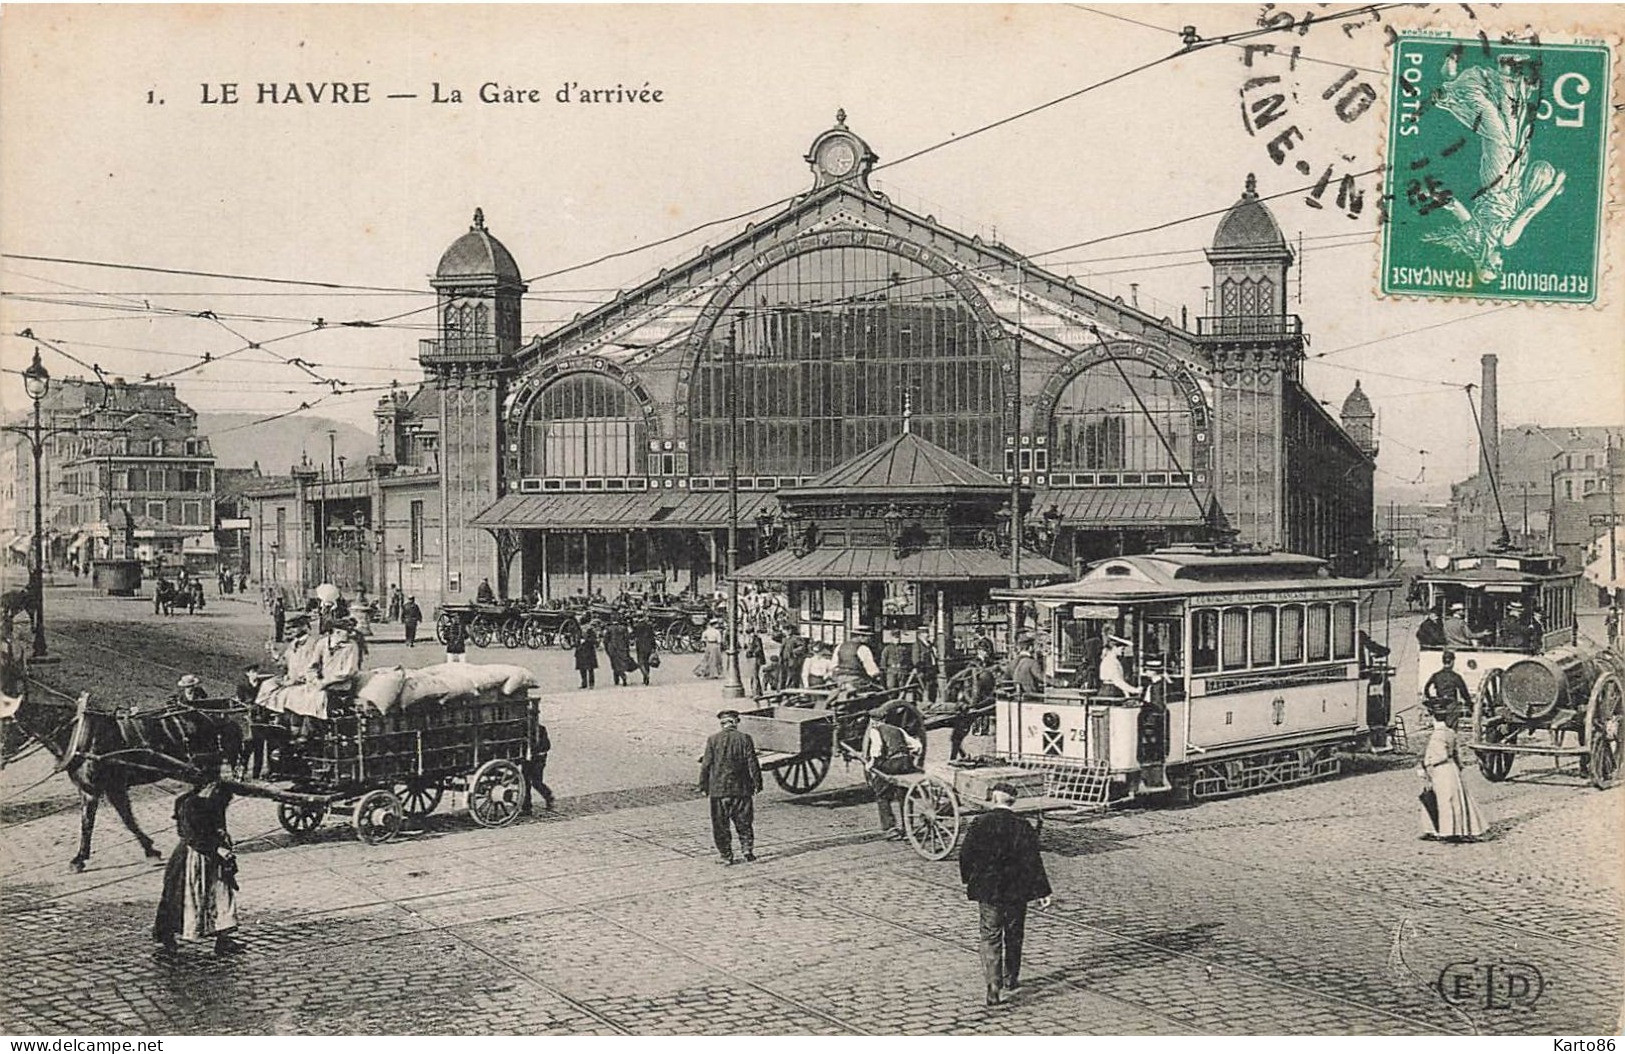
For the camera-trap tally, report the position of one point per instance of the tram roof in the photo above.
(1474, 569)
(1199, 570)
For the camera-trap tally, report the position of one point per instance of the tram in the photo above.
(1266, 676)
(1484, 587)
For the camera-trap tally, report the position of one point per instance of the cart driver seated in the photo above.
(856, 670)
(1114, 684)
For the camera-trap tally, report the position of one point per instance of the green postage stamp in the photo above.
(1497, 169)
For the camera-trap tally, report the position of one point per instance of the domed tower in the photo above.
(1255, 348)
(1359, 421)
(1250, 258)
(479, 289)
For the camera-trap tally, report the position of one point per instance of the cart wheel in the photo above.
(1605, 714)
(535, 636)
(481, 630)
(802, 775)
(495, 792)
(513, 633)
(300, 819)
(377, 817)
(418, 798)
(674, 639)
(569, 634)
(442, 627)
(931, 818)
(1496, 765)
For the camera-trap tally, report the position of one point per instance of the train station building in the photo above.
(601, 450)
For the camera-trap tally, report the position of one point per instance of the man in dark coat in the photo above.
(730, 776)
(1445, 690)
(1002, 871)
(279, 618)
(411, 615)
(586, 652)
(643, 645)
(618, 649)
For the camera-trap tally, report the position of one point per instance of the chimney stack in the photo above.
(1490, 446)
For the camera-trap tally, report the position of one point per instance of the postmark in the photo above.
(1496, 169)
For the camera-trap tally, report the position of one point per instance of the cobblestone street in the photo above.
(1313, 909)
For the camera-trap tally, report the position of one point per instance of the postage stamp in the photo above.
(1497, 169)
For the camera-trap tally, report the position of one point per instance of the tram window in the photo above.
(1162, 640)
(1233, 638)
(1342, 631)
(1204, 640)
(1264, 636)
(1317, 637)
(1291, 634)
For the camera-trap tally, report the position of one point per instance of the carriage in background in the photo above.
(511, 624)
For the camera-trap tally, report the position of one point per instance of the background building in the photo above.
(133, 447)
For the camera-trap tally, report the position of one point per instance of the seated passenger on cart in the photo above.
(889, 751)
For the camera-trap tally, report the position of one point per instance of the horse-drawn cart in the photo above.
(380, 769)
(798, 734)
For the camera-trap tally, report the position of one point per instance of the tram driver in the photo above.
(1113, 683)
(1153, 723)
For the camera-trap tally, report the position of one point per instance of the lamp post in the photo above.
(37, 381)
(733, 686)
(276, 568)
(400, 572)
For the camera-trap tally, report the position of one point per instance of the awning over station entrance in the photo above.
(625, 512)
(1109, 507)
(872, 564)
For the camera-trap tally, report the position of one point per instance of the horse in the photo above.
(24, 601)
(106, 754)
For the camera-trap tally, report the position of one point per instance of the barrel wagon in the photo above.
(1567, 702)
(380, 769)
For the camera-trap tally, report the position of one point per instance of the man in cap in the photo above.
(855, 666)
(1002, 870)
(1446, 691)
(1152, 748)
(730, 775)
(1113, 683)
(889, 751)
(1430, 634)
(1027, 671)
(411, 615)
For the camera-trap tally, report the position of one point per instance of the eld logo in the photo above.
(1491, 985)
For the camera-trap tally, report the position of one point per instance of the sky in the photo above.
(110, 153)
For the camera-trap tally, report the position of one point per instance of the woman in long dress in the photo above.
(1458, 818)
(200, 881)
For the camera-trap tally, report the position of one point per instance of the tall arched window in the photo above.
(581, 426)
(1136, 420)
(830, 342)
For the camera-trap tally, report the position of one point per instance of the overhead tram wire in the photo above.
(1299, 57)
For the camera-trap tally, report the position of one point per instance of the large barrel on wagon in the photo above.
(1535, 688)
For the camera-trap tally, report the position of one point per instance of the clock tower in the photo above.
(839, 156)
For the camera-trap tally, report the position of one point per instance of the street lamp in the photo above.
(37, 381)
(400, 573)
(734, 685)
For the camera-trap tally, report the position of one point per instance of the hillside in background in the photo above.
(278, 445)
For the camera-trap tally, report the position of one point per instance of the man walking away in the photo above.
(643, 645)
(456, 640)
(1002, 871)
(729, 776)
(411, 615)
(279, 618)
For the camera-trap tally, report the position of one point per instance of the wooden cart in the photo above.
(379, 770)
(800, 734)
